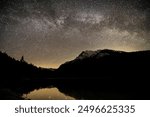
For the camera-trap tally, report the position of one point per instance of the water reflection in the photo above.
(47, 94)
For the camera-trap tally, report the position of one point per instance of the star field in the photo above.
(49, 32)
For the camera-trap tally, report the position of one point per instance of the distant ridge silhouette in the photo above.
(108, 63)
(20, 68)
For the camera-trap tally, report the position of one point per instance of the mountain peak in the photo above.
(85, 54)
(98, 53)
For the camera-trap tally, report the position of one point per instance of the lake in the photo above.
(47, 94)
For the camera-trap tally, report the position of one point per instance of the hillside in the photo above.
(107, 63)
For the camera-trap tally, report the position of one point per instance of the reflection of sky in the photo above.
(47, 94)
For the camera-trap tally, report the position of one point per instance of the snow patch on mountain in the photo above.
(85, 54)
(96, 54)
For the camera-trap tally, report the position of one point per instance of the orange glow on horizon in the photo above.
(56, 65)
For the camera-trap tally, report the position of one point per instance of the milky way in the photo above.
(49, 32)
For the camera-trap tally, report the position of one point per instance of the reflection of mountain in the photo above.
(101, 74)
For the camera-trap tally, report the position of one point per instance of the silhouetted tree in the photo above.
(22, 59)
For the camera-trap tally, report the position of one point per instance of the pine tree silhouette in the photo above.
(22, 59)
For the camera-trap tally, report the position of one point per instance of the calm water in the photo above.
(47, 94)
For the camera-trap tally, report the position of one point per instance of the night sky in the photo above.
(50, 32)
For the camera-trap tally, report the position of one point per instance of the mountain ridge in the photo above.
(104, 61)
(90, 53)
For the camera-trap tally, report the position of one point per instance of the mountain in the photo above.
(107, 63)
(20, 69)
(97, 54)
(100, 63)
